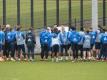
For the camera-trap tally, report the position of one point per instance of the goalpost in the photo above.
(95, 14)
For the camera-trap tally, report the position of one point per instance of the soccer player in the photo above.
(55, 45)
(87, 46)
(50, 48)
(103, 52)
(64, 43)
(80, 44)
(10, 41)
(98, 43)
(6, 46)
(2, 41)
(20, 40)
(45, 41)
(74, 39)
(15, 44)
(93, 35)
(69, 44)
(30, 42)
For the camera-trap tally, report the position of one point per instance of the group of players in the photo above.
(13, 44)
(59, 44)
(75, 45)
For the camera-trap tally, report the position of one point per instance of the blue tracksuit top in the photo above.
(74, 37)
(10, 37)
(82, 35)
(93, 35)
(63, 36)
(45, 37)
(104, 38)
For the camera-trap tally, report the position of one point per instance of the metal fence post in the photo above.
(104, 12)
(57, 12)
(69, 13)
(32, 14)
(18, 12)
(45, 13)
(4, 12)
(81, 13)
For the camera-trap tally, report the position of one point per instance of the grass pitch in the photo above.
(47, 70)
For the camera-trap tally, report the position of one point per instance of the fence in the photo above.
(43, 13)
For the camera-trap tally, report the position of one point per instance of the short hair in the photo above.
(7, 26)
(73, 28)
(87, 31)
(18, 29)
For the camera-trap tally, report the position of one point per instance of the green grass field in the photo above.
(51, 12)
(41, 70)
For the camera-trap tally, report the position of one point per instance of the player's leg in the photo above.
(46, 51)
(61, 52)
(42, 51)
(12, 50)
(23, 51)
(84, 53)
(66, 52)
(57, 53)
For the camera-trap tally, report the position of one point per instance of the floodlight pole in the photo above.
(95, 14)
(45, 13)
(81, 14)
(32, 14)
(57, 12)
(18, 12)
(4, 12)
(69, 13)
(104, 12)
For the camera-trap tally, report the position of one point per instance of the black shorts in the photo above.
(86, 49)
(104, 48)
(45, 47)
(92, 45)
(68, 46)
(55, 48)
(74, 46)
(64, 47)
(21, 48)
(16, 47)
(80, 47)
(97, 45)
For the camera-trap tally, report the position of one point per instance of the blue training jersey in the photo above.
(87, 41)
(63, 36)
(74, 37)
(45, 37)
(93, 35)
(98, 38)
(82, 35)
(10, 36)
(104, 38)
(20, 38)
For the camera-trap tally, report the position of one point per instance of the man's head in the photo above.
(8, 27)
(73, 28)
(18, 29)
(63, 28)
(48, 29)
